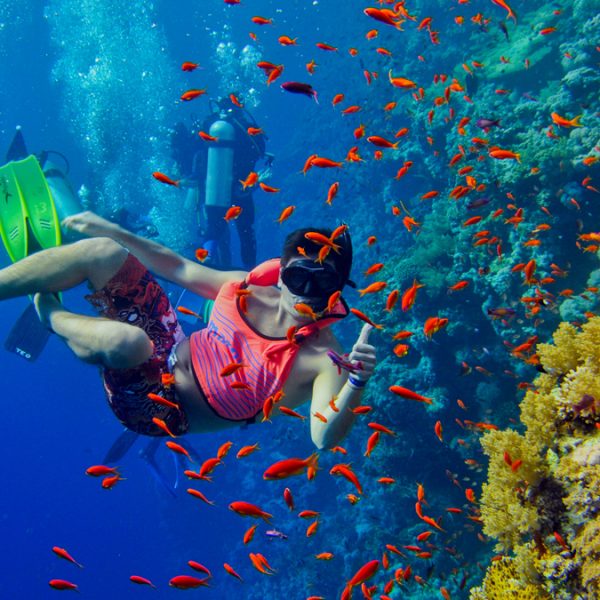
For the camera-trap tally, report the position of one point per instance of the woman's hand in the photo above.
(364, 356)
(90, 224)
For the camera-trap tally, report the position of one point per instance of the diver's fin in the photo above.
(28, 336)
(17, 149)
(148, 454)
(28, 223)
(120, 447)
(39, 205)
(13, 219)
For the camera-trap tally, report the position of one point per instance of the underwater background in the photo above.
(505, 250)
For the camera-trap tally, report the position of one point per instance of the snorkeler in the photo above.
(262, 342)
(215, 157)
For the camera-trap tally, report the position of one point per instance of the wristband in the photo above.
(357, 384)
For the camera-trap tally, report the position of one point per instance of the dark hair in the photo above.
(341, 261)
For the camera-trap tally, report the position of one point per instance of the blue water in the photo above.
(100, 83)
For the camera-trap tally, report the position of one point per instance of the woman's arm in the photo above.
(157, 258)
(335, 395)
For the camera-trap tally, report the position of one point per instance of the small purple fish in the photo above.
(487, 124)
(273, 533)
(501, 313)
(529, 97)
(341, 363)
(300, 88)
(586, 402)
(478, 202)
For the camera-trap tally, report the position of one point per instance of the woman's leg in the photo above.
(95, 340)
(96, 260)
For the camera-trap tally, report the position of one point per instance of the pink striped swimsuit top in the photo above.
(231, 338)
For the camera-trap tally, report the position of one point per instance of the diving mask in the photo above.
(311, 280)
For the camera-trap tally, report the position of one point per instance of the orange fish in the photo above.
(201, 254)
(191, 94)
(246, 509)
(347, 472)
(332, 192)
(187, 582)
(164, 178)
(163, 401)
(198, 494)
(563, 122)
(401, 82)
(186, 311)
(325, 163)
(381, 142)
(231, 571)
(189, 66)
(291, 413)
(233, 212)
(224, 450)
(261, 20)
(372, 442)
(409, 394)
(208, 138)
(163, 426)
(109, 482)
(246, 450)
(101, 471)
(363, 317)
(62, 584)
(291, 466)
(389, 17)
(285, 40)
(376, 286)
(409, 296)
(267, 188)
(167, 379)
(500, 154)
(178, 449)
(230, 369)
(141, 581)
(249, 534)
(251, 180)
(286, 213)
(323, 240)
(62, 553)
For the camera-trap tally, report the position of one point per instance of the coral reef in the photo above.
(542, 498)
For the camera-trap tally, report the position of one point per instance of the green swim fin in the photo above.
(13, 220)
(28, 223)
(28, 219)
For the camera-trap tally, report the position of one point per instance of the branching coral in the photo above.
(546, 508)
(502, 582)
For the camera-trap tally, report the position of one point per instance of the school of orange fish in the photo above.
(450, 97)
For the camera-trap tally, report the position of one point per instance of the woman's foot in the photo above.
(45, 305)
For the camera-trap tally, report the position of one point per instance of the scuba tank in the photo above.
(65, 199)
(219, 168)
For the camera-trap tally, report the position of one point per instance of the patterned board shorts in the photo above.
(133, 296)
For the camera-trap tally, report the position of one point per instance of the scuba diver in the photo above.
(213, 170)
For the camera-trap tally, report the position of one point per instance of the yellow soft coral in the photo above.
(506, 516)
(547, 511)
(502, 582)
